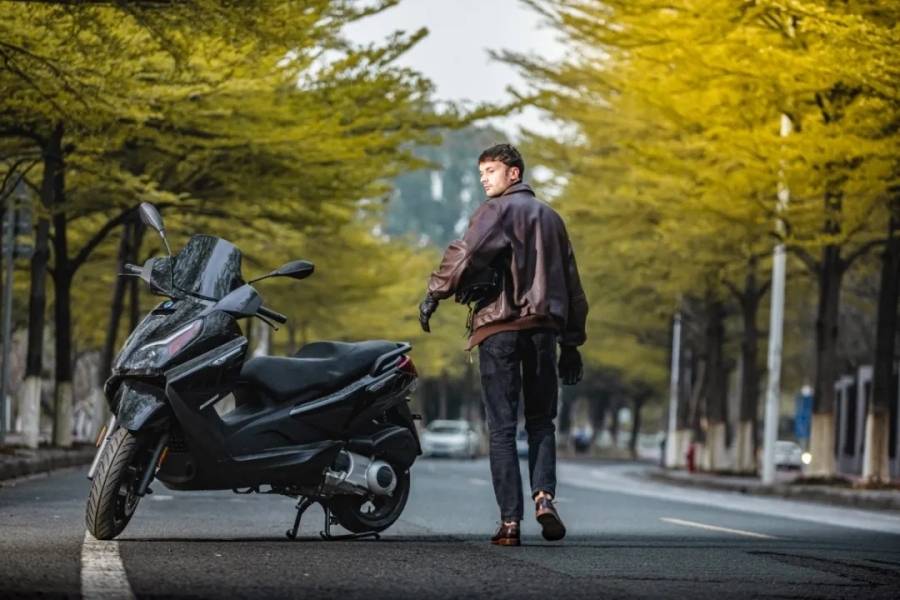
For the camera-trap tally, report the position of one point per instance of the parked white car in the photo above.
(450, 438)
(788, 455)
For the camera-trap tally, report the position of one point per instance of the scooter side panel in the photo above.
(192, 385)
(394, 443)
(352, 408)
(289, 466)
(140, 405)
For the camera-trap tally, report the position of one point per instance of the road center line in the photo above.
(716, 528)
(102, 571)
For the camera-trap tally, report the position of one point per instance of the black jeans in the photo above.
(514, 361)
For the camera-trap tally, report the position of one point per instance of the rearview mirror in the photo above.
(296, 269)
(152, 219)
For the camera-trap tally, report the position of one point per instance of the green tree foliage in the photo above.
(674, 152)
(257, 121)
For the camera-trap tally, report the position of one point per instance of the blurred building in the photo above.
(853, 396)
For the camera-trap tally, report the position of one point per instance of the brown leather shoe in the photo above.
(552, 527)
(507, 535)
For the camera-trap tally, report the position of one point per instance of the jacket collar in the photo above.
(516, 188)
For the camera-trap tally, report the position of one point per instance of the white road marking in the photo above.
(476, 481)
(102, 571)
(621, 482)
(161, 497)
(716, 528)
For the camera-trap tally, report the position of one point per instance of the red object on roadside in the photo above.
(689, 457)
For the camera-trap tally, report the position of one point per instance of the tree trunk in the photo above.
(34, 362)
(264, 338)
(747, 439)
(684, 432)
(698, 391)
(117, 306)
(51, 155)
(822, 434)
(292, 338)
(614, 410)
(637, 405)
(884, 386)
(62, 280)
(716, 396)
(443, 399)
(597, 412)
(134, 310)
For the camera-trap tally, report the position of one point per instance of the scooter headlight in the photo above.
(166, 348)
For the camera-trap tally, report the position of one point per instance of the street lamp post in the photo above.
(672, 448)
(776, 331)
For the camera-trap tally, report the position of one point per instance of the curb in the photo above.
(31, 462)
(863, 499)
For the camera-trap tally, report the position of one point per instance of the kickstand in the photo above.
(302, 505)
(328, 537)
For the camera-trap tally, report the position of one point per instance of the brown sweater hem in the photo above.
(529, 322)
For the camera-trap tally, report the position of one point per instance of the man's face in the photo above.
(496, 177)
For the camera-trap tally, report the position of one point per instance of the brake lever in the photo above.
(267, 322)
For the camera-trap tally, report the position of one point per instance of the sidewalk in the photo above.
(825, 494)
(19, 462)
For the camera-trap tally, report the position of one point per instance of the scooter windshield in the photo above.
(208, 266)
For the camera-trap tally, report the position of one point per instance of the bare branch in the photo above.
(734, 290)
(98, 237)
(8, 190)
(811, 263)
(20, 131)
(861, 251)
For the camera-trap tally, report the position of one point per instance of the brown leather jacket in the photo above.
(543, 279)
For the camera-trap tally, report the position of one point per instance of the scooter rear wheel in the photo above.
(112, 500)
(361, 514)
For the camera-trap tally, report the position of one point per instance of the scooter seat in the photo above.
(319, 368)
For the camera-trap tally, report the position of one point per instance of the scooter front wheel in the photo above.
(361, 514)
(112, 500)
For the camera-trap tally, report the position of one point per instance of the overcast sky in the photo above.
(454, 55)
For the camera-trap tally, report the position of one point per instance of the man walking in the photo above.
(541, 303)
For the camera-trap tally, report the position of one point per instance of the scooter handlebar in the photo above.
(271, 314)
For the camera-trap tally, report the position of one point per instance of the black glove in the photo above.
(426, 309)
(570, 367)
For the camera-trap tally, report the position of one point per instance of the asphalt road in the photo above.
(628, 537)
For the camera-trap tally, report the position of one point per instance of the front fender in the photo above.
(141, 406)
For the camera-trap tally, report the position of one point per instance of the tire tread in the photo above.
(101, 506)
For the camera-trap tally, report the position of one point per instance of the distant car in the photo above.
(450, 438)
(788, 455)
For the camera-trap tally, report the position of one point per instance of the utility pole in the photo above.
(9, 241)
(776, 330)
(672, 446)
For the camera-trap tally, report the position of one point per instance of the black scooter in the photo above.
(329, 425)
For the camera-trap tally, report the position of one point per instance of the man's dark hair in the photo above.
(507, 154)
